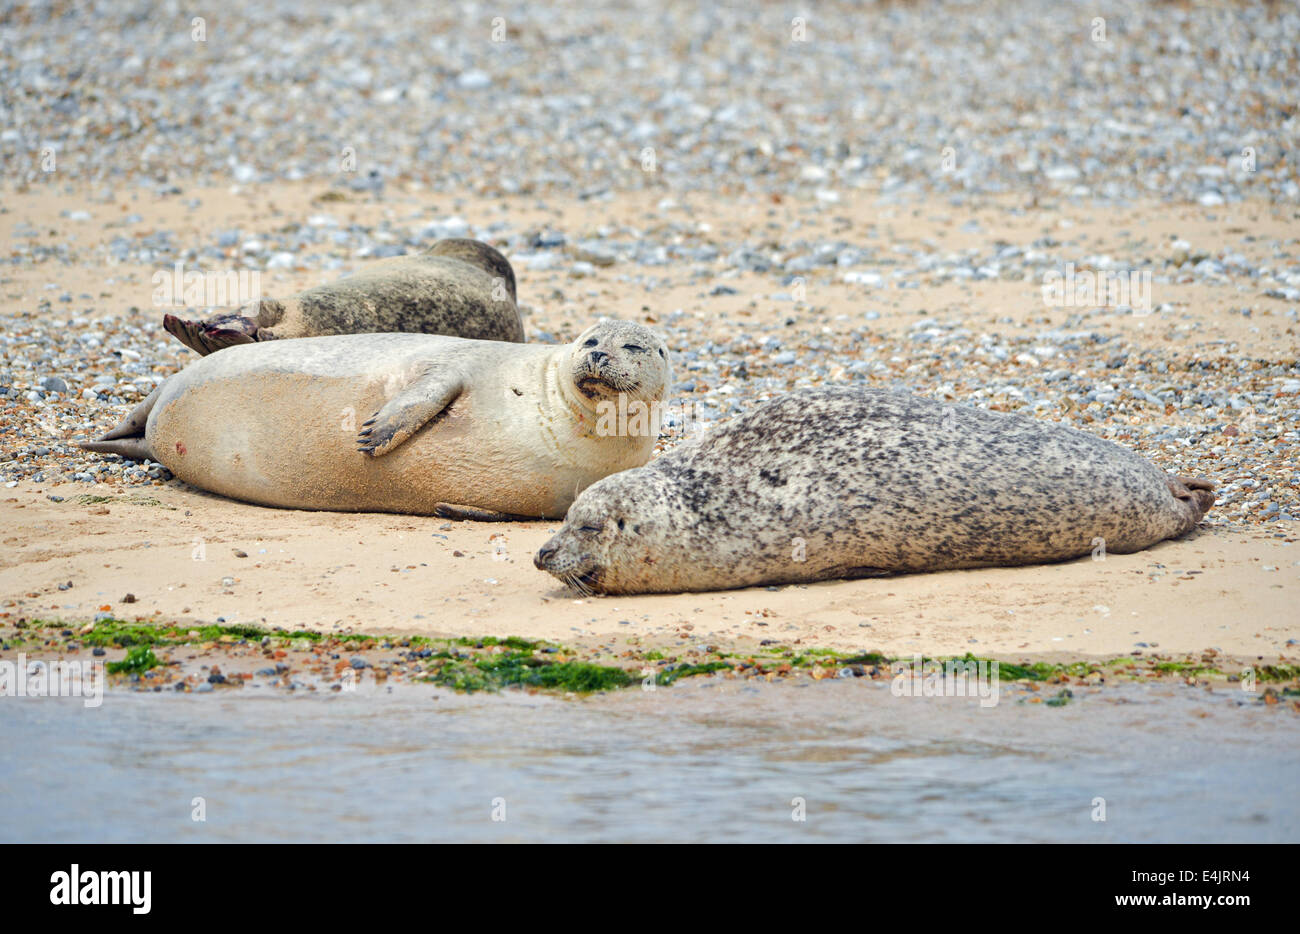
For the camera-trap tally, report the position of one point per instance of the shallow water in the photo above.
(707, 760)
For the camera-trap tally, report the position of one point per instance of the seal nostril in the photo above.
(599, 356)
(542, 556)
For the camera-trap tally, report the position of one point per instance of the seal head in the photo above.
(619, 357)
(477, 253)
(612, 534)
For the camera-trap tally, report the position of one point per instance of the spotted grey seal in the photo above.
(848, 482)
(458, 287)
(472, 429)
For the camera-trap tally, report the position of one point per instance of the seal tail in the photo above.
(204, 337)
(128, 438)
(1197, 492)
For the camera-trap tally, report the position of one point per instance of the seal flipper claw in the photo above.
(408, 412)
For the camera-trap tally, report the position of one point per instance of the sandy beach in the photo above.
(1229, 586)
(790, 203)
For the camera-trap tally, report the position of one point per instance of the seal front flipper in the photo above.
(474, 514)
(408, 412)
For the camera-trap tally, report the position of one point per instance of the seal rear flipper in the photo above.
(135, 449)
(408, 412)
(1198, 491)
(134, 424)
(473, 513)
(203, 337)
(127, 439)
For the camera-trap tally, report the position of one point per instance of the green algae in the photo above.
(138, 659)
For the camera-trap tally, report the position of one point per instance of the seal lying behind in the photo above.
(843, 482)
(471, 429)
(458, 287)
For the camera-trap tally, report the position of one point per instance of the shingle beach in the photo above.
(882, 195)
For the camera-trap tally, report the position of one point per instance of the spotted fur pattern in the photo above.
(459, 288)
(846, 482)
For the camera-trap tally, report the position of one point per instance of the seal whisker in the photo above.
(574, 582)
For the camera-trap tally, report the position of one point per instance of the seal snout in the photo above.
(543, 556)
(565, 559)
(596, 372)
(620, 357)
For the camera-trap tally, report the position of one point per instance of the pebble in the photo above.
(790, 116)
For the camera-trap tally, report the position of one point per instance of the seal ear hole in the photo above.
(620, 525)
(661, 351)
